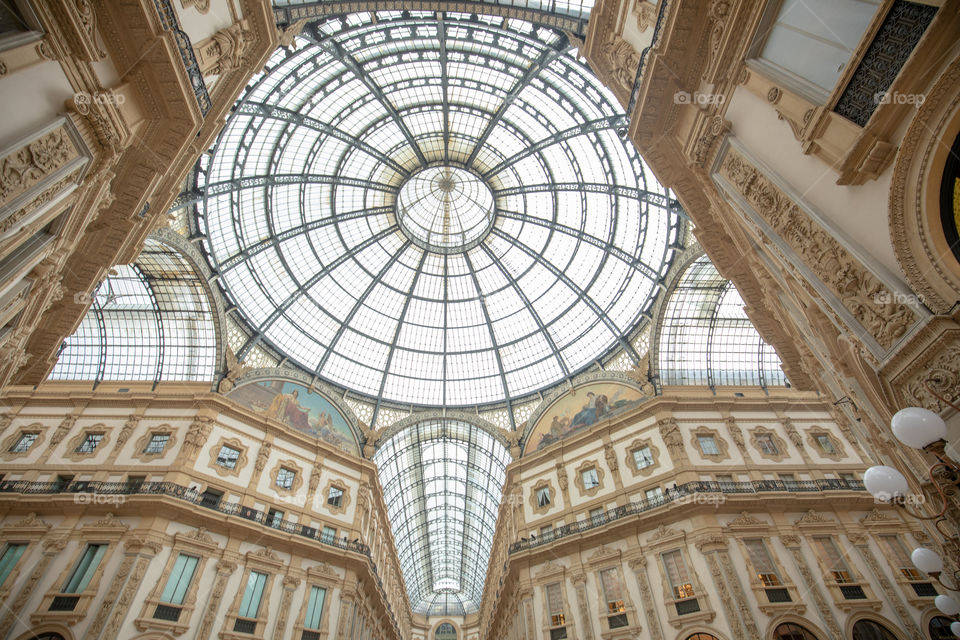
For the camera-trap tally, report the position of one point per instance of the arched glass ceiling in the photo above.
(151, 321)
(301, 220)
(442, 481)
(706, 337)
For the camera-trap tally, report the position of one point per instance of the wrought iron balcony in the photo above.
(679, 494)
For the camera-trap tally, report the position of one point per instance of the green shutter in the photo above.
(250, 604)
(315, 608)
(179, 580)
(9, 559)
(85, 569)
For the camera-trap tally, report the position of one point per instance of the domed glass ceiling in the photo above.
(434, 209)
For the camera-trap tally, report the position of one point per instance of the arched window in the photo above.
(939, 629)
(702, 636)
(445, 631)
(870, 630)
(791, 631)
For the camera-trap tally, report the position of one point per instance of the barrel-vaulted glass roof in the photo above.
(434, 209)
(442, 481)
(706, 337)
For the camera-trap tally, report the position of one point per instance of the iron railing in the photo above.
(680, 494)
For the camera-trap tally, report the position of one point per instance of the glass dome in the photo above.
(434, 209)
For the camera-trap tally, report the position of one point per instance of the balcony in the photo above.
(679, 494)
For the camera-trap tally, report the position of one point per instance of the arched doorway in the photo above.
(870, 630)
(939, 629)
(792, 631)
(703, 636)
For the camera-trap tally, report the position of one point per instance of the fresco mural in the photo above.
(579, 409)
(298, 407)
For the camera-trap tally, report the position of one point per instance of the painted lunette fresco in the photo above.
(579, 409)
(300, 408)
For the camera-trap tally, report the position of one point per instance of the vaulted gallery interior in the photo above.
(479, 320)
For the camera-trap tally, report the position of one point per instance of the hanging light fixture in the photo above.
(923, 429)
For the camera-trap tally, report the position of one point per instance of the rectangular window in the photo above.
(555, 605)
(642, 457)
(90, 442)
(899, 557)
(677, 574)
(179, 580)
(610, 579)
(546, 531)
(228, 457)
(250, 604)
(762, 562)
(274, 518)
(24, 442)
(335, 497)
(597, 514)
(285, 478)
(725, 480)
(825, 444)
(11, 555)
(315, 607)
(789, 481)
(849, 478)
(655, 495)
(83, 572)
(590, 478)
(832, 558)
(327, 534)
(543, 497)
(767, 445)
(211, 498)
(158, 442)
(708, 445)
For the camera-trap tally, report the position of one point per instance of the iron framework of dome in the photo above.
(434, 209)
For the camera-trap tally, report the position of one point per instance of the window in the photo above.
(767, 445)
(90, 442)
(677, 574)
(590, 478)
(790, 631)
(543, 497)
(725, 480)
(596, 514)
(228, 457)
(825, 443)
(708, 446)
(285, 478)
(870, 630)
(546, 531)
(179, 581)
(11, 555)
(832, 558)
(642, 458)
(327, 534)
(157, 443)
(24, 442)
(315, 607)
(274, 518)
(616, 611)
(555, 606)
(849, 478)
(939, 629)
(335, 497)
(83, 572)
(897, 553)
(135, 482)
(788, 480)
(762, 562)
(211, 498)
(252, 594)
(655, 495)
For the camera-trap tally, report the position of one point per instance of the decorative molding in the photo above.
(745, 520)
(722, 446)
(542, 484)
(838, 448)
(631, 462)
(742, 603)
(736, 625)
(673, 438)
(127, 430)
(813, 588)
(811, 517)
(13, 438)
(225, 569)
(778, 442)
(71, 452)
(344, 499)
(893, 597)
(860, 292)
(139, 448)
(639, 567)
(297, 477)
(214, 453)
(578, 477)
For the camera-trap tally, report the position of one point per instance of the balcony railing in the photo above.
(681, 494)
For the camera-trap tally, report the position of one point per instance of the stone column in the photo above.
(639, 566)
